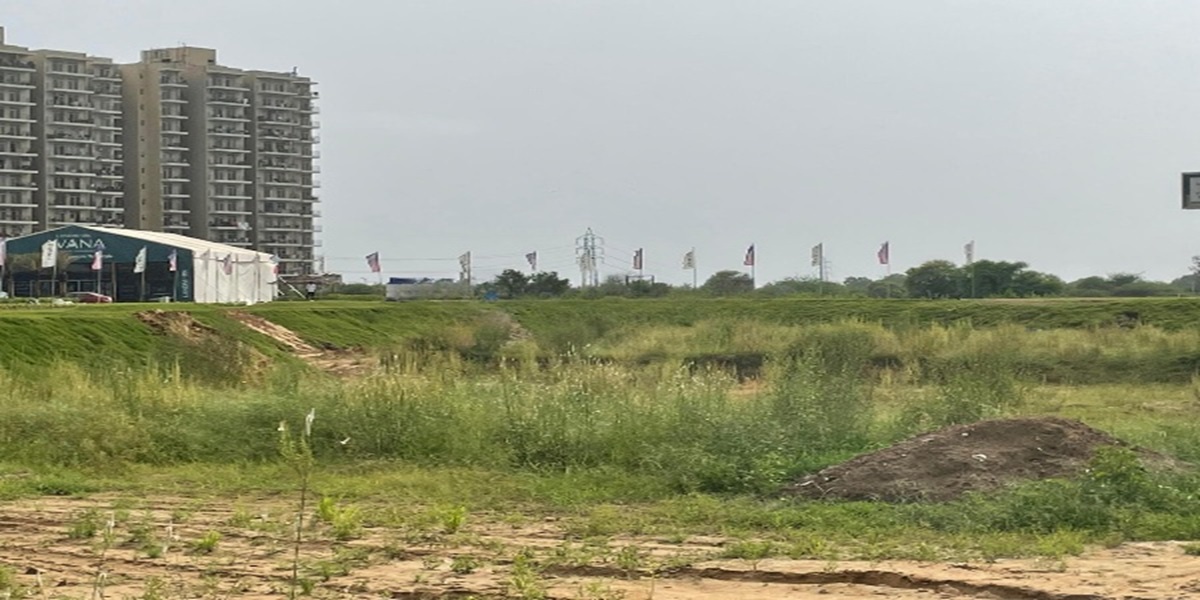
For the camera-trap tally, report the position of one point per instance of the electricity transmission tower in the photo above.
(589, 252)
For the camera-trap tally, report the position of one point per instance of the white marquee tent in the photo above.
(220, 273)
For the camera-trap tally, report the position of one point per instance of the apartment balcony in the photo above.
(70, 137)
(172, 81)
(13, 133)
(11, 119)
(16, 102)
(228, 150)
(167, 194)
(227, 86)
(71, 169)
(108, 110)
(74, 122)
(275, 134)
(278, 152)
(286, 243)
(56, 87)
(13, 151)
(17, 186)
(226, 101)
(228, 226)
(64, 204)
(22, 83)
(269, 166)
(311, 110)
(235, 134)
(240, 213)
(175, 210)
(107, 76)
(81, 72)
(277, 120)
(242, 196)
(232, 118)
(173, 117)
(69, 103)
(17, 166)
(18, 65)
(174, 178)
(310, 125)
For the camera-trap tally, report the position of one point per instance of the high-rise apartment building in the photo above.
(18, 173)
(174, 142)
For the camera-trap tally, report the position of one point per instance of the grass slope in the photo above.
(112, 335)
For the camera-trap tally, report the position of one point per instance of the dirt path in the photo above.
(338, 362)
(45, 540)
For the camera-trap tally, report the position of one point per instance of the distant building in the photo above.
(174, 143)
(175, 267)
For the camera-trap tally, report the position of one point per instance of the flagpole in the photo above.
(694, 278)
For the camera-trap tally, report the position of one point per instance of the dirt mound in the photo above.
(176, 323)
(947, 463)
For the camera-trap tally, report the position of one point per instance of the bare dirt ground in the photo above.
(44, 543)
(337, 361)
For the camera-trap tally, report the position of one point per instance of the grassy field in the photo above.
(612, 419)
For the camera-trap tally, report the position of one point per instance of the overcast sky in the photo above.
(1049, 132)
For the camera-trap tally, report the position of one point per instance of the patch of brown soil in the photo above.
(947, 463)
(332, 360)
(177, 323)
(154, 553)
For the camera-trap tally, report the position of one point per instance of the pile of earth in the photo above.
(177, 323)
(950, 462)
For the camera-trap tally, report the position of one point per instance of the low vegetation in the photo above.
(618, 422)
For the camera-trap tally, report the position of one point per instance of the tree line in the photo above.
(935, 279)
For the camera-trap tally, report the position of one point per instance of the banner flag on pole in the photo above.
(227, 264)
(637, 260)
(749, 260)
(532, 259)
(818, 254)
(969, 250)
(139, 261)
(173, 261)
(97, 260)
(884, 254)
(49, 254)
(3, 251)
(464, 263)
(689, 260)
(373, 262)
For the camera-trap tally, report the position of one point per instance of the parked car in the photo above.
(89, 298)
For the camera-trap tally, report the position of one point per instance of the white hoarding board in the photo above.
(1191, 190)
